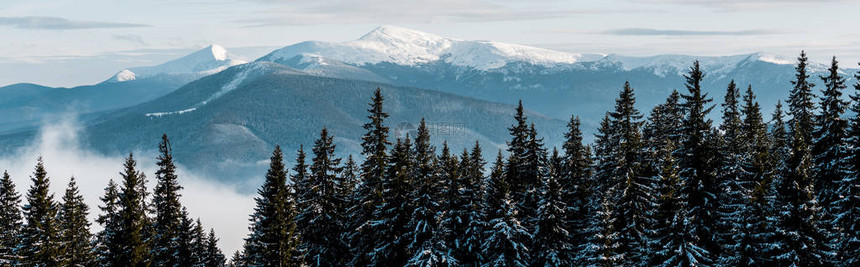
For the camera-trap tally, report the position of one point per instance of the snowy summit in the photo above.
(408, 47)
(212, 59)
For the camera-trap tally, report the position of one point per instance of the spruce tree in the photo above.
(133, 246)
(698, 163)
(756, 246)
(272, 241)
(319, 220)
(109, 243)
(632, 203)
(603, 239)
(473, 188)
(805, 242)
(41, 236)
(426, 240)
(348, 199)
(733, 204)
(10, 221)
(523, 167)
(847, 207)
(800, 102)
(76, 237)
(168, 209)
(198, 244)
(829, 146)
(213, 256)
(392, 215)
(506, 236)
(184, 252)
(552, 239)
(369, 192)
(576, 183)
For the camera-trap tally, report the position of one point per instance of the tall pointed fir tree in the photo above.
(168, 209)
(198, 244)
(297, 187)
(10, 221)
(552, 238)
(698, 163)
(603, 239)
(847, 207)
(473, 189)
(634, 199)
(448, 174)
(427, 243)
(213, 256)
(77, 241)
(133, 248)
(804, 241)
(184, 252)
(41, 236)
(756, 247)
(319, 220)
(523, 167)
(108, 247)
(506, 238)
(800, 101)
(829, 148)
(732, 198)
(576, 182)
(369, 192)
(272, 241)
(392, 215)
(348, 200)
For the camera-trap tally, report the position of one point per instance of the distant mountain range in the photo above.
(225, 114)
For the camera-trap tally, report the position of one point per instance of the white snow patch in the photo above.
(409, 47)
(160, 114)
(206, 61)
(775, 59)
(124, 75)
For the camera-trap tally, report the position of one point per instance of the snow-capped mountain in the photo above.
(206, 61)
(410, 48)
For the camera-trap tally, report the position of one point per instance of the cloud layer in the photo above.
(219, 206)
(57, 23)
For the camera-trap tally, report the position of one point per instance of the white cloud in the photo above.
(219, 206)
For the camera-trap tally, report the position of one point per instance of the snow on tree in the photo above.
(76, 238)
(41, 235)
(10, 220)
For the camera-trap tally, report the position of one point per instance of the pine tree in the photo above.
(273, 229)
(168, 209)
(552, 242)
(369, 192)
(829, 146)
(213, 256)
(576, 183)
(348, 199)
(698, 165)
(805, 243)
(800, 101)
(40, 238)
(133, 246)
(757, 176)
(426, 239)
(732, 198)
(76, 237)
(297, 187)
(10, 221)
(634, 199)
(523, 167)
(109, 243)
(847, 207)
(506, 236)
(392, 215)
(602, 238)
(319, 220)
(198, 244)
(184, 252)
(473, 188)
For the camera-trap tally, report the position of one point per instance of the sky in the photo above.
(67, 43)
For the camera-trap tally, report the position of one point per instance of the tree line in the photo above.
(140, 228)
(669, 189)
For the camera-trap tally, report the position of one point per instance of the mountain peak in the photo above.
(208, 60)
(387, 33)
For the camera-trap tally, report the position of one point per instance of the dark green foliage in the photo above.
(319, 220)
(213, 257)
(109, 242)
(829, 149)
(698, 164)
(133, 246)
(77, 241)
(506, 238)
(800, 102)
(10, 220)
(168, 210)
(552, 237)
(41, 236)
(272, 241)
